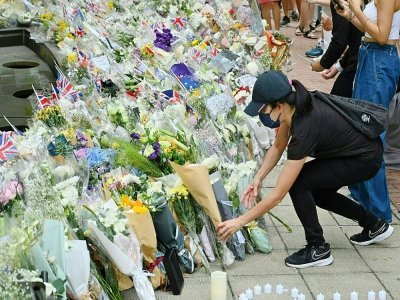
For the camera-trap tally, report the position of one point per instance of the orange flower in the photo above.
(140, 209)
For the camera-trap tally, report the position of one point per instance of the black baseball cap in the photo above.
(270, 86)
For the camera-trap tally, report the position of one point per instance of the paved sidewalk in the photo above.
(355, 268)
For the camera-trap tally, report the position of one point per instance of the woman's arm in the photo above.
(380, 32)
(285, 181)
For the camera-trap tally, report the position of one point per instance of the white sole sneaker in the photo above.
(378, 238)
(317, 263)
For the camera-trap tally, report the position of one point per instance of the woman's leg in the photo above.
(276, 14)
(376, 78)
(329, 175)
(266, 14)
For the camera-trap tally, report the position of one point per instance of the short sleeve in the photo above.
(302, 143)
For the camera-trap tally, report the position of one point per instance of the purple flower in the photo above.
(156, 146)
(135, 136)
(153, 156)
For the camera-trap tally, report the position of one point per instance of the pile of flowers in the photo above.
(140, 146)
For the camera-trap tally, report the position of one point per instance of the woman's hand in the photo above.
(354, 4)
(345, 11)
(330, 73)
(250, 195)
(228, 228)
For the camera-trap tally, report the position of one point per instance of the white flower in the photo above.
(148, 150)
(127, 179)
(211, 162)
(154, 187)
(69, 196)
(64, 171)
(120, 226)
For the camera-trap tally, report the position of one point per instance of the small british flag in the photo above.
(7, 147)
(212, 50)
(197, 55)
(43, 101)
(66, 88)
(80, 31)
(179, 22)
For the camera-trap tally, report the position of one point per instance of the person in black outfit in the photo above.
(343, 156)
(344, 36)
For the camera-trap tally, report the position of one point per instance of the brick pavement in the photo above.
(313, 81)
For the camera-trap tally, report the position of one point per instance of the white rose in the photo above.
(148, 150)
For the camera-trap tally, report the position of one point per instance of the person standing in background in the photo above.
(266, 7)
(378, 72)
(346, 41)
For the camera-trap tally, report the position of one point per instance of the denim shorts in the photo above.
(378, 72)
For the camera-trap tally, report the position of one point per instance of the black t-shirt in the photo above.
(324, 133)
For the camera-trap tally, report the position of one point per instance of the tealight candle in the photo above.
(279, 289)
(382, 295)
(354, 295)
(320, 297)
(257, 290)
(243, 296)
(294, 293)
(371, 295)
(301, 297)
(218, 285)
(249, 293)
(268, 288)
(336, 296)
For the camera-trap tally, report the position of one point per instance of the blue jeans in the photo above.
(378, 72)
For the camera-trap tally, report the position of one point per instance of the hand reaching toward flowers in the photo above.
(250, 195)
(228, 228)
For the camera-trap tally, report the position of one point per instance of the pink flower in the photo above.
(10, 191)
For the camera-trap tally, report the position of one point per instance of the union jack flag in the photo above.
(80, 31)
(179, 22)
(82, 57)
(65, 87)
(197, 55)
(7, 147)
(55, 93)
(212, 50)
(43, 101)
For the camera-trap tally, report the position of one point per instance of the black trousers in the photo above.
(343, 85)
(318, 183)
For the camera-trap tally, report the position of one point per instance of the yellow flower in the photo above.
(196, 93)
(115, 145)
(110, 5)
(195, 42)
(140, 209)
(71, 36)
(62, 25)
(127, 201)
(72, 57)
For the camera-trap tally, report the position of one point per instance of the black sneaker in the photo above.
(378, 232)
(310, 256)
(285, 21)
(295, 16)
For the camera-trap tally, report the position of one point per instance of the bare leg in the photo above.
(286, 6)
(305, 15)
(266, 14)
(277, 15)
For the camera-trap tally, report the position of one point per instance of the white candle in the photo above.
(336, 296)
(279, 289)
(382, 295)
(268, 288)
(294, 293)
(320, 297)
(218, 285)
(354, 295)
(249, 293)
(243, 296)
(371, 295)
(301, 297)
(257, 290)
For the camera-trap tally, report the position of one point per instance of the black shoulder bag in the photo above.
(369, 118)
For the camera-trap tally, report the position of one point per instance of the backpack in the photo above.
(368, 118)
